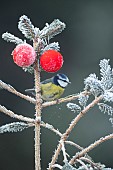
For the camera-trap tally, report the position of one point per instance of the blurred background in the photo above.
(87, 39)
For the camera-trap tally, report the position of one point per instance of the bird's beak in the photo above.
(69, 82)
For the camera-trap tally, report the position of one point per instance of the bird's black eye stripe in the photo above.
(63, 80)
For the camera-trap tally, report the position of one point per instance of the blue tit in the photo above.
(53, 88)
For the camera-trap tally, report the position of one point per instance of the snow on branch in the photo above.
(51, 46)
(74, 107)
(93, 85)
(26, 27)
(106, 74)
(50, 30)
(11, 38)
(14, 127)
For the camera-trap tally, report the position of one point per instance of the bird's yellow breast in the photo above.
(51, 91)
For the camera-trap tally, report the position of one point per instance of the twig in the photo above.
(90, 147)
(57, 166)
(83, 164)
(65, 99)
(93, 164)
(57, 132)
(14, 91)
(50, 127)
(64, 152)
(74, 144)
(38, 116)
(72, 125)
(16, 116)
(55, 156)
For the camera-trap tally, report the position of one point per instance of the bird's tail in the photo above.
(31, 91)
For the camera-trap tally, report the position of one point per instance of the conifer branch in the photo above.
(11, 38)
(26, 27)
(15, 127)
(50, 30)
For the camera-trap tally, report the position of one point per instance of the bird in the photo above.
(52, 88)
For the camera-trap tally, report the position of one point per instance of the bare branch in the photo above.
(45, 104)
(74, 144)
(83, 164)
(38, 111)
(64, 151)
(57, 166)
(90, 147)
(14, 91)
(13, 115)
(50, 127)
(93, 164)
(57, 132)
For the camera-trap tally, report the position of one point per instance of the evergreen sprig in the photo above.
(50, 30)
(74, 107)
(93, 84)
(51, 46)
(106, 108)
(83, 100)
(26, 27)
(11, 38)
(106, 74)
(14, 127)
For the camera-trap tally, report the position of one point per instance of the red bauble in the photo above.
(24, 55)
(51, 61)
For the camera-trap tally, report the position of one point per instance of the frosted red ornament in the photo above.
(24, 55)
(51, 61)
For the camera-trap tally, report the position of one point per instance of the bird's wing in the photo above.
(47, 81)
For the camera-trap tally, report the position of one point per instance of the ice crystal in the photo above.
(108, 96)
(50, 30)
(83, 99)
(96, 166)
(26, 27)
(11, 38)
(111, 120)
(29, 69)
(93, 85)
(106, 108)
(51, 46)
(37, 32)
(13, 127)
(93, 168)
(73, 107)
(106, 74)
(67, 166)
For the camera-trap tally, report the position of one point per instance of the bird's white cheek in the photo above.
(62, 83)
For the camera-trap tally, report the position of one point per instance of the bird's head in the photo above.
(61, 79)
